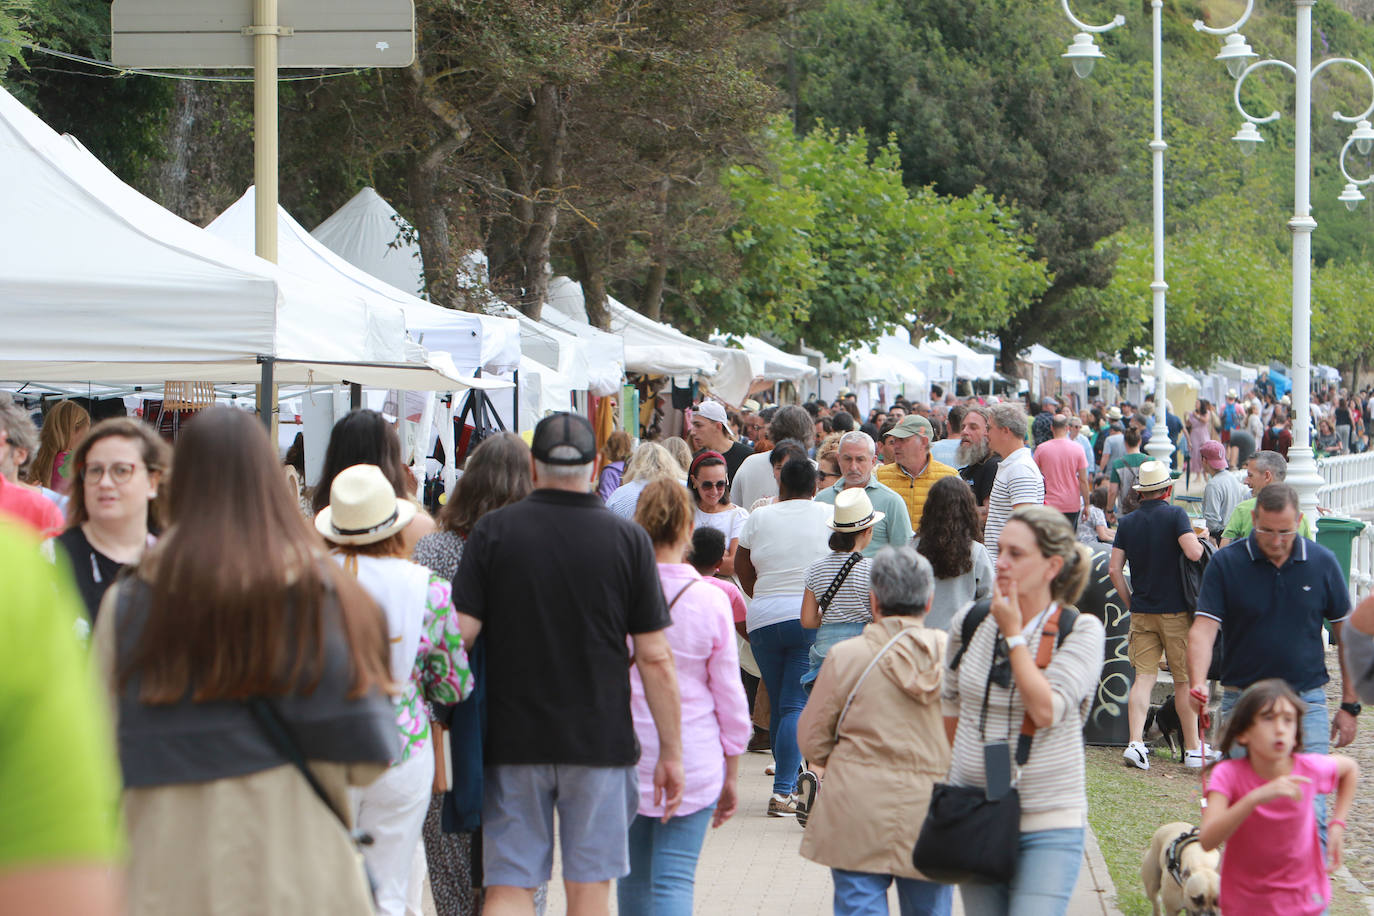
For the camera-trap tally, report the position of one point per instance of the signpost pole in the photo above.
(265, 34)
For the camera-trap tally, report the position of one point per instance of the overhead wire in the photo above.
(119, 71)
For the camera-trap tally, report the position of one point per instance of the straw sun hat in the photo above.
(854, 512)
(363, 508)
(1154, 475)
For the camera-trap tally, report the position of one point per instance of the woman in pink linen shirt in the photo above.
(715, 719)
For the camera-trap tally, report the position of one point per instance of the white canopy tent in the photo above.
(100, 284)
(968, 363)
(652, 348)
(769, 363)
(472, 340)
(369, 234)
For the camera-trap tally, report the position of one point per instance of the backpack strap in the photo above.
(979, 612)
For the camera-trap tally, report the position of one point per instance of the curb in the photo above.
(1103, 886)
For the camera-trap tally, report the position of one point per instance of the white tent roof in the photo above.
(605, 352)
(652, 348)
(101, 284)
(369, 234)
(1070, 370)
(867, 366)
(767, 361)
(472, 340)
(899, 348)
(968, 363)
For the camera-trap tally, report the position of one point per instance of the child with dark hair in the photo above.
(1268, 794)
(705, 556)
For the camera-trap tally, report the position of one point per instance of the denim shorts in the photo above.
(595, 807)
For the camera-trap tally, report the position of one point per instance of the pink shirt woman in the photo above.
(715, 713)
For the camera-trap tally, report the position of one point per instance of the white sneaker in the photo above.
(1136, 755)
(1193, 759)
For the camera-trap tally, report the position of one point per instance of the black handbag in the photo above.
(967, 837)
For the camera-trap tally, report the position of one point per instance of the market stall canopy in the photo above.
(605, 352)
(968, 362)
(473, 340)
(369, 234)
(768, 362)
(900, 349)
(1070, 370)
(100, 284)
(1180, 388)
(867, 366)
(652, 348)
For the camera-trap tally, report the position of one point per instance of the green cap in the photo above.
(914, 425)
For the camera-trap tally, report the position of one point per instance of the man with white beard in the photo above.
(979, 464)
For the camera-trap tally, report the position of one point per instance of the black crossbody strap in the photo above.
(835, 583)
(270, 720)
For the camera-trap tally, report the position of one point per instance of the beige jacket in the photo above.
(879, 774)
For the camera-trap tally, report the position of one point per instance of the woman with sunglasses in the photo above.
(113, 503)
(710, 487)
(998, 687)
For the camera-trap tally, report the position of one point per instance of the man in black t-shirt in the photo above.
(555, 583)
(979, 464)
(711, 431)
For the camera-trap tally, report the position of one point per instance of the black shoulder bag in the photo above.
(969, 835)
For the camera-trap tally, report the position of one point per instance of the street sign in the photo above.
(218, 33)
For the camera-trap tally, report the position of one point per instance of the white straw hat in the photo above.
(1154, 475)
(363, 508)
(854, 512)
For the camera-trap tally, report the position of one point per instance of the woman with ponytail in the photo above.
(1001, 683)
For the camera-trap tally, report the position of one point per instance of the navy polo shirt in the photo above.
(1271, 616)
(1149, 536)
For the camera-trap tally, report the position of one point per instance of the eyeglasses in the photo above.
(711, 484)
(1271, 533)
(119, 472)
(825, 475)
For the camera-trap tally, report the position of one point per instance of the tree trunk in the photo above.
(551, 137)
(171, 188)
(652, 302)
(431, 224)
(1011, 345)
(593, 279)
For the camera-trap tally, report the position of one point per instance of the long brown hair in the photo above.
(239, 580)
(496, 474)
(948, 528)
(157, 457)
(59, 426)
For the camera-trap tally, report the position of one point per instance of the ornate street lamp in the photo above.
(1302, 466)
(1084, 53)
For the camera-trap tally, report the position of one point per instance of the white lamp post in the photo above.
(1083, 52)
(1302, 466)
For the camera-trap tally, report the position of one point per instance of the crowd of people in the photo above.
(361, 696)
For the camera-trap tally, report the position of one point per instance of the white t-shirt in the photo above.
(753, 479)
(729, 522)
(1018, 481)
(783, 540)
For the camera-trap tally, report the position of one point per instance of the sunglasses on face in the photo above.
(711, 484)
(119, 472)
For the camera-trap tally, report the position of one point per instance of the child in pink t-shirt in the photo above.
(1260, 806)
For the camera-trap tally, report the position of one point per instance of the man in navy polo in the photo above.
(1271, 593)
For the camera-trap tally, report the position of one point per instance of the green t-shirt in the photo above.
(1239, 524)
(59, 781)
(1133, 460)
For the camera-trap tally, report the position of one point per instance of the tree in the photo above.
(977, 96)
(835, 251)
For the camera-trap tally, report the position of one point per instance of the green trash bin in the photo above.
(1337, 534)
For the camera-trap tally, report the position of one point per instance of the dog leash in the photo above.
(1204, 722)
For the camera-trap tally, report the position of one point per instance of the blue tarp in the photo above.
(1282, 384)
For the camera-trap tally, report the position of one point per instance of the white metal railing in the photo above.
(1362, 565)
(1347, 483)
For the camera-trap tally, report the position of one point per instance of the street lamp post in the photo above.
(1084, 53)
(1302, 466)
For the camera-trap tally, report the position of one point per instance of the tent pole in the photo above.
(266, 402)
(355, 396)
(515, 404)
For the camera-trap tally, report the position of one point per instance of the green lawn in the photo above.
(1126, 806)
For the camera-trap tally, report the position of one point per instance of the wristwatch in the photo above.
(1352, 708)
(1020, 640)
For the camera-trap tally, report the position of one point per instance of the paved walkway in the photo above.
(751, 867)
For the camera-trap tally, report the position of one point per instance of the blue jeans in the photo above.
(826, 636)
(1316, 736)
(663, 865)
(782, 652)
(860, 893)
(1046, 871)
